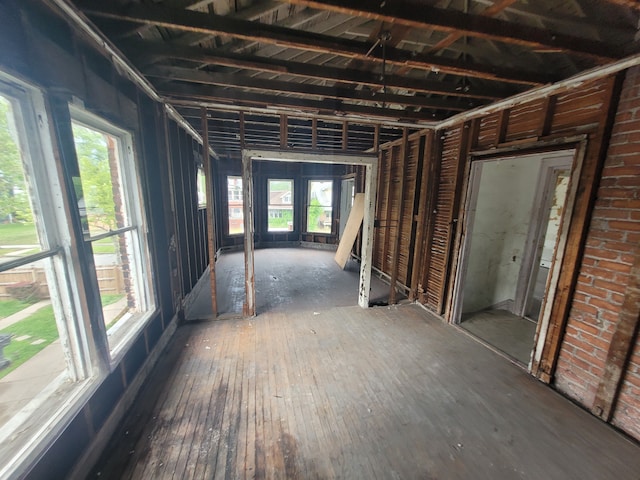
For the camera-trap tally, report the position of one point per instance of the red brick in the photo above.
(604, 304)
(624, 225)
(609, 286)
(614, 266)
(632, 203)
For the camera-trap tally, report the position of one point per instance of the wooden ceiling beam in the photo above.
(261, 84)
(186, 20)
(145, 51)
(453, 21)
(179, 93)
(491, 11)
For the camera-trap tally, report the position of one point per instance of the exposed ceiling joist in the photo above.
(201, 94)
(186, 20)
(453, 37)
(261, 84)
(145, 51)
(427, 17)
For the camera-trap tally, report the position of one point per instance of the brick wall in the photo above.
(613, 234)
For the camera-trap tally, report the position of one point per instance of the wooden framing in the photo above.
(396, 241)
(211, 228)
(369, 161)
(480, 26)
(207, 23)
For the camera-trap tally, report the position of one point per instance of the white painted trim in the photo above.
(370, 161)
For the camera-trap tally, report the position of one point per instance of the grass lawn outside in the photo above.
(18, 234)
(9, 307)
(39, 325)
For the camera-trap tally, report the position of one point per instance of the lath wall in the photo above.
(593, 295)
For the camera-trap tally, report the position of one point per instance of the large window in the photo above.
(42, 345)
(110, 207)
(235, 203)
(319, 206)
(280, 205)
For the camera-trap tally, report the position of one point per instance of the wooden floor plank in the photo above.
(389, 392)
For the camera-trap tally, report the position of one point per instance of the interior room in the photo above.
(319, 239)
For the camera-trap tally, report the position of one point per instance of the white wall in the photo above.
(503, 212)
(555, 216)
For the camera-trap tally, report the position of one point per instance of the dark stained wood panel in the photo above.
(406, 222)
(525, 120)
(583, 106)
(352, 393)
(488, 134)
(442, 218)
(380, 232)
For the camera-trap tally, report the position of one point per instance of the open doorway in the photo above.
(515, 209)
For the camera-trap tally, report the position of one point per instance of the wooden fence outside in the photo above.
(110, 280)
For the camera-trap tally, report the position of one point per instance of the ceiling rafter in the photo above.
(176, 92)
(144, 51)
(243, 81)
(427, 17)
(215, 24)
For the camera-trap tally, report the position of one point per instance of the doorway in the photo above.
(515, 209)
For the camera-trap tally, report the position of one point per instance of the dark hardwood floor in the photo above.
(388, 392)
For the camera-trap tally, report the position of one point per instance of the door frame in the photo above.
(540, 213)
(577, 146)
(369, 161)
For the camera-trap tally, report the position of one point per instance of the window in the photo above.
(319, 206)
(42, 342)
(280, 205)
(235, 203)
(202, 188)
(110, 207)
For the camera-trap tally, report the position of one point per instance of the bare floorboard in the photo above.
(388, 392)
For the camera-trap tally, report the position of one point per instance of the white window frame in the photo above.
(41, 420)
(308, 204)
(126, 330)
(280, 206)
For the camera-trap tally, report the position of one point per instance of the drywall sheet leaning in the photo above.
(350, 231)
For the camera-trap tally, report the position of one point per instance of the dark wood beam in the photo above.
(266, 85)
(181, 93)
(453, 37)
(186, 20)
(635, 4)
(144, 51)
(453, 21)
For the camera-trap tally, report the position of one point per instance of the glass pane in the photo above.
(118, 281)
(31, 355)
(202, 188)
(319, 209)
(101, 199)
(18, 234)
(280, 206)
(234, 192)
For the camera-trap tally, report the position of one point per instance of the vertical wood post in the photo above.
(211, 232)
(249, 308)
(367, 234)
